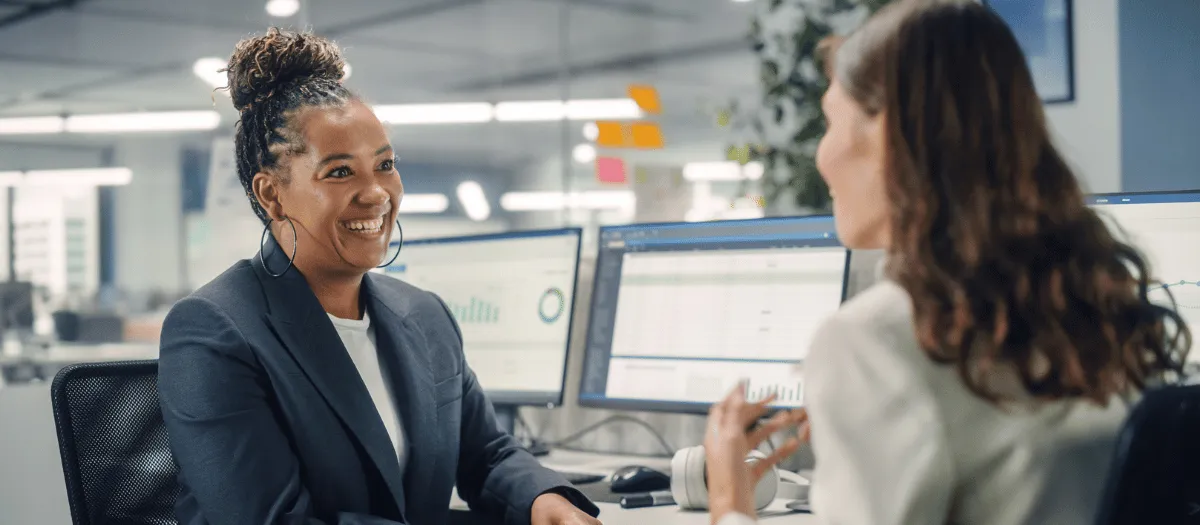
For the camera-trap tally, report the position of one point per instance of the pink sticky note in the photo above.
(610, 170)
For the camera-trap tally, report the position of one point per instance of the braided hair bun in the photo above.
(271, 78)
(263, 66)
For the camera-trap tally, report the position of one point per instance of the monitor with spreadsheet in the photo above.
(1166, 228)
(682, 313)
(512, 297)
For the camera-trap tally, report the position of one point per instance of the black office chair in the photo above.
(1155, 475)
(116, 460)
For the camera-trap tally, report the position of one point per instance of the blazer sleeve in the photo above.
(497, 475)
(877, 435)
(232, 455)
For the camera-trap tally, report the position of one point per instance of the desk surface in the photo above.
(671, 515)
(65, 353)
(613, 514)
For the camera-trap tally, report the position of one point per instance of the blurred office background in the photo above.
(148, 215)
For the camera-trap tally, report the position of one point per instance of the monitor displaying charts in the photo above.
(682, 313)
(1166, 228)
(512, 296)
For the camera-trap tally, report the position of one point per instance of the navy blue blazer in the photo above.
(270, 422)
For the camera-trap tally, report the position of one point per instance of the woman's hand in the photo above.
(552, 509)
(730, 439)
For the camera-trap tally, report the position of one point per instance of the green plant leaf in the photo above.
(796, 157)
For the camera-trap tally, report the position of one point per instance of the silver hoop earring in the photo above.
(398, 248)
(262, 242)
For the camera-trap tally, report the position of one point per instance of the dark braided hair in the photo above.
(270, 77)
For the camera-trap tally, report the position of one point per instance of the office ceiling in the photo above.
(93, 56)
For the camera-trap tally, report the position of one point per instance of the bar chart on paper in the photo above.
(785, 394)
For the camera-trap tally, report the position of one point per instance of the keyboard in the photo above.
(580, 478)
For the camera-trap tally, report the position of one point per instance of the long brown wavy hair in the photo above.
(991, 237)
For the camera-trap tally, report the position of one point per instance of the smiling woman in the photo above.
(297, 386)
(312, 156)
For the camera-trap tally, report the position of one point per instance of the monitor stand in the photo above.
(506, 419)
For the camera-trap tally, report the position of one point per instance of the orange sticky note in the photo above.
(646, 135)
(611, 135)
(646, 98)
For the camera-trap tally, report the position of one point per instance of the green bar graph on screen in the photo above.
(474, 311)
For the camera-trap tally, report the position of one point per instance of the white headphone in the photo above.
(689, 482)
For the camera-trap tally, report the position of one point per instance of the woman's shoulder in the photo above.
(872, 329)
(885, 306)
(235, 287)
(235, 294)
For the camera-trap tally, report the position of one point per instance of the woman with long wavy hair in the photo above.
(984, 379)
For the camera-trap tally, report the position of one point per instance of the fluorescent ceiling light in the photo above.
(474, 202)
(283, 8)
(584, 153)
(424, 203)
(91, 176)
(603, 109)
(722, 171)
(530, 111)
(553, 200)
(209, 70)
(452, 113)
(30, 125)
(549, 110)
(68, 177)
(465, 112)
(134, 122)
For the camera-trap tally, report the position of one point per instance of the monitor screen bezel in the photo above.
(512, 397)
(674, 407)
(1091, 198)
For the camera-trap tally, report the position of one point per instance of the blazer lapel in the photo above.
(297, 318)
(411, 372)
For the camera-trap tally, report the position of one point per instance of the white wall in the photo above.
(1088, 130)
(148, 219)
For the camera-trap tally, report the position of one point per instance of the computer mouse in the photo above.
(639, 479)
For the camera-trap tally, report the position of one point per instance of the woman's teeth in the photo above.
(364, 226)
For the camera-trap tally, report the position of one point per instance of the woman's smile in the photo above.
(370, 228)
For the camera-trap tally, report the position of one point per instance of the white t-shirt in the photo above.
(359, 339)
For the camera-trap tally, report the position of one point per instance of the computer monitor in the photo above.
(1165, 226)
(512, 296)
(682, 313)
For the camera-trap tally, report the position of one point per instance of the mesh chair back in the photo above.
(1155, 475)
(115, 455)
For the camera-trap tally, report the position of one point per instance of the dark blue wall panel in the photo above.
(1160, 94)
